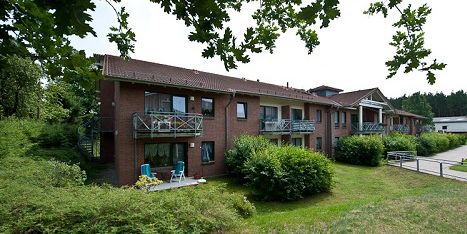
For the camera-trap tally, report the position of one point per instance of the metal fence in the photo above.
(401, 159)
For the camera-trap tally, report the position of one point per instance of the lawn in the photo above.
(383, 199)
(462, 167)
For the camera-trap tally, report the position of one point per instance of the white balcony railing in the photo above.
(167, 124)
(402, 128)
(286, 126)
(367, 127)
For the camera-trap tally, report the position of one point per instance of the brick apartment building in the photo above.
(160, 114)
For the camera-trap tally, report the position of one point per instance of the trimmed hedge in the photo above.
(244, 147)
(360, 150)
(288, 173)
(399, 142)
(432, 143)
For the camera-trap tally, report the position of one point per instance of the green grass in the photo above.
(382, 199)
(462, 167)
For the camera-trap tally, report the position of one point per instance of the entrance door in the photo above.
(179, 153)
(354, 118)
(296, 114)
(165, 154)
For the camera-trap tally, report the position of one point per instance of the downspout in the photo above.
(135, 147)
(330, 129)
(226, 119)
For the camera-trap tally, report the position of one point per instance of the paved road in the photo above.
(433, 167)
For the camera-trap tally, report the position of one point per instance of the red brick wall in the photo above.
(131, 100)
(320, 127)
(342, 130)
(106, 96)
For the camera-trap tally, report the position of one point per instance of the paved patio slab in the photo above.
(189, 181)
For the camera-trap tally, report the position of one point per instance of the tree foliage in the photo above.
(19, 86)
(41, 30)
(453, 104)
(418, 104)
(409, 39)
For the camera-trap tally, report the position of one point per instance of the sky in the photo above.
(351, 55)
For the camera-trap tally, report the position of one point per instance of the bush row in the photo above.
(279, 173)
(369, 150)
(432, 143)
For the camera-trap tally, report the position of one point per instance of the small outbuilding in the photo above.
(455, 124)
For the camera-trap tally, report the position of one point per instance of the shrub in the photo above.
(41, 196)
(432, 143)
(288, 173)
(243, 147)
(58, 135)
(101, 209)
(360, 150)
(13, 141)
(399, 142)
(60, 174)
(29, 137)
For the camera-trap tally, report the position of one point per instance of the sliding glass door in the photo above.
(165, 154)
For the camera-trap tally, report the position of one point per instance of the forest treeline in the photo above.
(442, 105)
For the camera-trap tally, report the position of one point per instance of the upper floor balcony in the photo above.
(167, 124)
(420, 128)
(367, 128)
(402, 128)
(286, 126)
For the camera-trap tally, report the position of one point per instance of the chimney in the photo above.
(287, 84)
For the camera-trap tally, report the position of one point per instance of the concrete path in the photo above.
(433, 167)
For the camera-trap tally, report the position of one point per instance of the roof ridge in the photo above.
(356, 91)
(206, 72)
(147, 71)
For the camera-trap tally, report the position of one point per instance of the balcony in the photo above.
(167, 124)
(402, 128)
(367, 128)
(286, 126)
(423, 128)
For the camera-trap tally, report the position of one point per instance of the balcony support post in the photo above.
(360, 118)
(380, 116)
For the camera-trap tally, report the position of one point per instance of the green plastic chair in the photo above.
(146, 171)
(178, 172)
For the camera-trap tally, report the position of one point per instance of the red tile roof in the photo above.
(350, 98)
(114, 67)
(324, 87)
(405, 113)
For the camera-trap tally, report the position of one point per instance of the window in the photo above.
(179, 104)
(207, 151)
(241, 110)
(164, 154)
(158, 102)
(319, 143)
(297, 142)
(336, 139)
(445, 127)
(207, 107)
(344, 119)
(336, 119)
(296, 114)
(318, 116)
(268, 113)
(274, 141)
